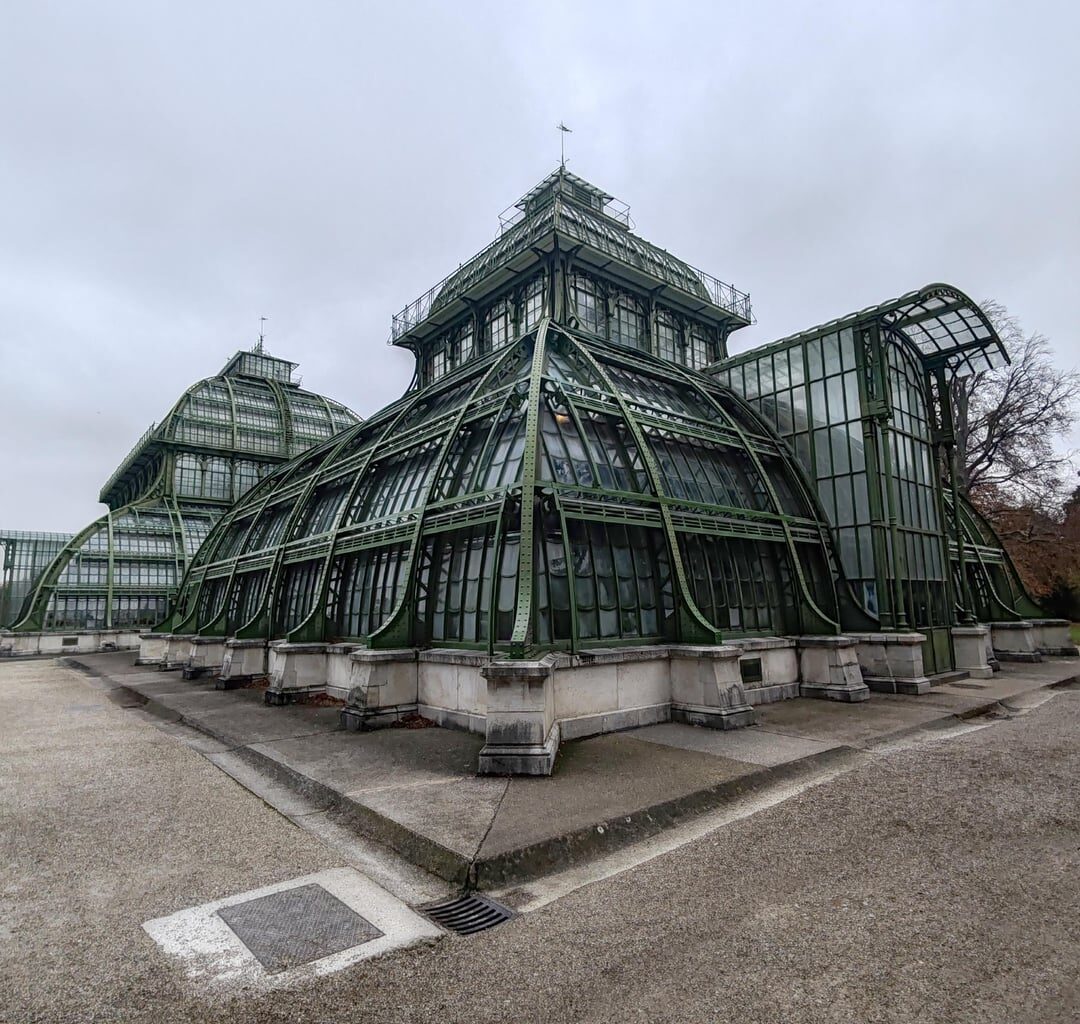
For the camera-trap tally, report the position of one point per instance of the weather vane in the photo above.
(562, 142)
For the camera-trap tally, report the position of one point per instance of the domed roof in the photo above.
(252, 407)
(558, 493)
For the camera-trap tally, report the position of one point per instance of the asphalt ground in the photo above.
(938, 882)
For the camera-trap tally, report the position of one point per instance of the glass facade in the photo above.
(222, 437)
(856, 402)
(560, 492)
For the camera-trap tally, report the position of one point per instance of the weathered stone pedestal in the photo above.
(522, 734)
(970, 645)
(1014, 641)
(177, 649)
(295, 670)
(707, 689)
(829, 668)
(1052, 638)
(205, 656)
(381, 688)
(891, 662)
(242, 661)
(778, 664)
(151, 648)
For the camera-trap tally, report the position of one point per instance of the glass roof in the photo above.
(942, 324)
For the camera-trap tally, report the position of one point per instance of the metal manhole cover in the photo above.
(297, 926)
(468, 914)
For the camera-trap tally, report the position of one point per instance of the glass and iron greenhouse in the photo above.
(223, 436)
(581, 476)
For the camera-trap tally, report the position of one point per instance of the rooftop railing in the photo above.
(513, 228)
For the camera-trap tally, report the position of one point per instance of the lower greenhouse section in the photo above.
(121, 573)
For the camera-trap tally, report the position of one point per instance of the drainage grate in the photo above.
(969, 686)
(468, 914)
(297, 926)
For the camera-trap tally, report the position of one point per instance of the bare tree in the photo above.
(1010, 423)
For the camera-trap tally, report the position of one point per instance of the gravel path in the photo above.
(937, 884)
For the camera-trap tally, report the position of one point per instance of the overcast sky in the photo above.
(170, 172)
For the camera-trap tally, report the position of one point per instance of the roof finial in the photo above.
(259, 345)
(562, 144)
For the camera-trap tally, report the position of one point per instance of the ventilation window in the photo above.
(751, 670)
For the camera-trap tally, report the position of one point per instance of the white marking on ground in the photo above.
(212, 955)
(924, 737)
(546, 890)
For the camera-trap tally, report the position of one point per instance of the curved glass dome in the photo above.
(222, 436)
(561, 492)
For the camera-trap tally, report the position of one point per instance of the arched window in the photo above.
(667, 337)
(628, 323)
(588, 303)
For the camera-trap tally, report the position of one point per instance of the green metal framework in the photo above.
(863, 403)
(221, 437)
(24, 556)
(558, 476)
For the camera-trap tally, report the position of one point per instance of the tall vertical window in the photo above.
(667, 337)
(497, 326)
(534, 303)
(628, 323)
(588, 303)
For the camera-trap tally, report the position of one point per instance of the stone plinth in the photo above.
(1052, 638)
(891, 662)
(522, 734)
(177, 649)
(381, 688)
(779, 668)
(451, 688)
(707, 689)
(151, 648)
(1014, 641)
(242, 661)
(611, 688)
(205, 656)
(970, 645)
(829, 668)
(82, 641)
(295, 671)
(339, 669)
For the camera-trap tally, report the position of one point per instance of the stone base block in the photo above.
(295, 668)
(829, 668)
(1051, 637)
(292, 695)
(756, 695)
(712, 717)
(177, 649)
(1014, 641)
(880, 684)
(358, 719)
(151, 648)
(242, 661)
(520, 758)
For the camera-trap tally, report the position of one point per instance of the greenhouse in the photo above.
(583, 515)
(122, 572)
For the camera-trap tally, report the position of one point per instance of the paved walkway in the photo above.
(417, 790)
(935, 880)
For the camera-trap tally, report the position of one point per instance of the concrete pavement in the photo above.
(933, 879)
